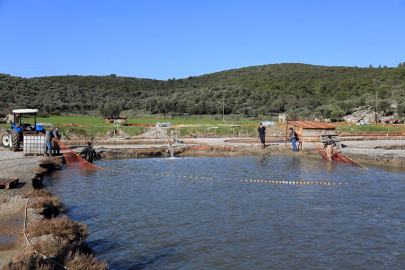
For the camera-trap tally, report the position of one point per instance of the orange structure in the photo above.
(310, 131)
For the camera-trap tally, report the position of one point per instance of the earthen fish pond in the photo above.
(247, 212)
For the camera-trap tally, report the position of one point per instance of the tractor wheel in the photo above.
(15, 141)
(5, 140)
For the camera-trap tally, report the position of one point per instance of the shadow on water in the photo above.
(146, 261)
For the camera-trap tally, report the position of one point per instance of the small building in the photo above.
(373, 118)
(282, 118)
(312, 131)
(115, 120)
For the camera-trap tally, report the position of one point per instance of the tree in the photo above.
(110, 110)
(337, 114)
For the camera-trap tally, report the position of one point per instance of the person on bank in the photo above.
(329, 144)
(55, 145)
(294, 139)
(261, 132)
(48, 140)
(88, 153)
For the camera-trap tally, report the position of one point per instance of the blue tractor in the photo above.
(14, 137)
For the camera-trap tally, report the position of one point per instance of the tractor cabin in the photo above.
(313, 131)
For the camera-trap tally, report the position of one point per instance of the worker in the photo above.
(261, 133)
(294, 139)
(88, 152)
(56, 138)
(329, 144)
(48, 140)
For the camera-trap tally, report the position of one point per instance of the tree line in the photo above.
(305, 90)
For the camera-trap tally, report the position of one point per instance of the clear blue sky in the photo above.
(176, 39)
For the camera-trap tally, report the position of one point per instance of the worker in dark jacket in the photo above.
(261, 132)
(88, 153)
(56, 138)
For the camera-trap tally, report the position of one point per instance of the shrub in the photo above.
(32, 262)
(38, 193)
(52, 206)
(61, 227)
(79, 261)
(41, 170)
(56, 248)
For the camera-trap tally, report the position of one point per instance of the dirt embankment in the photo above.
(51, 235)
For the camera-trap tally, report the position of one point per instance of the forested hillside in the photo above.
(306, 90)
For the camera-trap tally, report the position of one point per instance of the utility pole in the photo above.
(150, 108)
(223, 111)
(376, 104)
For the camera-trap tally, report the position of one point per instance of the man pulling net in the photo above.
(88, 153)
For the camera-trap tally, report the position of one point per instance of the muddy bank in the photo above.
(14, 165)
(48, 233)
(381, 152)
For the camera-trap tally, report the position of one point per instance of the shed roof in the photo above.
(311, 125)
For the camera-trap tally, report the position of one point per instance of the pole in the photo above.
(150, 108)
(223, 110)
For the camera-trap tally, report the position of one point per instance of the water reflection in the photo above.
(149, 221)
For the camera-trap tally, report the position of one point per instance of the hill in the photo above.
(306, 90)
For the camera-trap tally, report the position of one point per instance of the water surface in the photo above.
(185, 220)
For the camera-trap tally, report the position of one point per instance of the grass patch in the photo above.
(78, 120)
(368, 129)
(100, 131)
(218, 130)
(85, 120)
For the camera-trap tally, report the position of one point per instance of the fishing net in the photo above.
(336, 155)
(72, 158)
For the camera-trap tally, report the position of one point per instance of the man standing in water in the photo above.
(261, 132)
(329, 144)
(88, 152)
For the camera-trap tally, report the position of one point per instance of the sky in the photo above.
(162, 40)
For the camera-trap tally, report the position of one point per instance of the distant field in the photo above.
(370, 128)
(78, 120)
(58, 120)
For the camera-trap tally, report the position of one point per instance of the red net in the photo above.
(336, 155)
(73, 159)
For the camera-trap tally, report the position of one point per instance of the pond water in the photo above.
(169, 214)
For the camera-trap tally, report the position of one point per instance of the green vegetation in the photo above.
(368, 129)
(301, 90)
(100, 131)
(83, 120)
(77, 120)
(220, 130)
